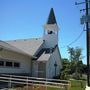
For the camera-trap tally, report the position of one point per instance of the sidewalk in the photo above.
(87, 88)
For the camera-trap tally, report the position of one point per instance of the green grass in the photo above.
(78, 85)
(75, 85)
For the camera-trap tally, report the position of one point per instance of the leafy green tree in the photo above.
(75, 53)
(73, 67)
(66, 69)
(76, 64)
(78, 54)
(71, 52)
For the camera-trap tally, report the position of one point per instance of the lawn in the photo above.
(77, 85)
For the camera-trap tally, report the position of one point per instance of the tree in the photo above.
(76, 64)
(84, 70)
(73, 67)
(78, 54)
(71, 51)
(75, 53)
(65, 70)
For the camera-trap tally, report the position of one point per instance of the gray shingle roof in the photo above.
(44, 57)
(5, 45)
(29, 46)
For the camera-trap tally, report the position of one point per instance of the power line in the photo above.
(75, 39)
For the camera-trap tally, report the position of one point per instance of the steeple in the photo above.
(51, 31)
(51, 18)
(51, 24)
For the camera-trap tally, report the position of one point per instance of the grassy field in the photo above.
(75, 85)
(78, 85)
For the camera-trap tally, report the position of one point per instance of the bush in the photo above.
(64, 76)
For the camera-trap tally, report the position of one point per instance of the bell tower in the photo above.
(51, 31)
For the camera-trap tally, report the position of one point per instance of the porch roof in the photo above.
(44, 57)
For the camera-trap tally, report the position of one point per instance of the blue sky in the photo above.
(21, 19)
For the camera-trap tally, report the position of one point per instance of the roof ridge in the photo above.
(24, 39)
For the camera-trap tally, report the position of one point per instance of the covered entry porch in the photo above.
(39, 69)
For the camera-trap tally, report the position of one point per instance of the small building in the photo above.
(38, 57)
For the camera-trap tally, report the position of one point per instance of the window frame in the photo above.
(9, 64)
(3, 63)
(16, 65)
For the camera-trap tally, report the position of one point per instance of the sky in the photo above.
(23, 19)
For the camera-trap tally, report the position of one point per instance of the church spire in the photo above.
(51, 31)
(51, 18)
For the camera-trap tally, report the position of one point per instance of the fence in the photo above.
(14, 82)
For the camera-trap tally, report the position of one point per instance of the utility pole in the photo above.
(87, 45)
(86, 19)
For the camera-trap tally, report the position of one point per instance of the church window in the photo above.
(1, 63)
(16, 64)
(9, 64)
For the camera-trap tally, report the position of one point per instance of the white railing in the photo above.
(14, 79)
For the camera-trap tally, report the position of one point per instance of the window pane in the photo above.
(16, 64)
(9, 64)
(1, 63)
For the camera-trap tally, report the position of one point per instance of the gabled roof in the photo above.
(51, 18)
(4, 45)
(29, 46)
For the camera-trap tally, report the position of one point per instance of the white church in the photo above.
(38, 57)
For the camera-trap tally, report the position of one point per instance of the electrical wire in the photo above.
(75, 39)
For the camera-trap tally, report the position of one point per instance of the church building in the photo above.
(38, 57)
